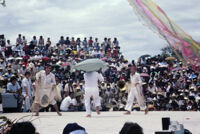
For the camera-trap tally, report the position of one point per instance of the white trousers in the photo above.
(94, 93)
(27, 103)
(135, 94)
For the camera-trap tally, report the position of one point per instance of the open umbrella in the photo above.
(26, 57)
(144, 75)
(35, 58)
(177, 69)
(90, 65)
(144, 56)
(170, 58)
(163, 65)
(19, 58)
(65, 64)
(45, 58)
(10, 58)
(192, 76)
(104, 59)
(55, 65)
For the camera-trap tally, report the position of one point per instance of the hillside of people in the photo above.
(168, 83)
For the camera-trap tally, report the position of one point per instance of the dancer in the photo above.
(45, 82)
(136, 92)
(92, 91)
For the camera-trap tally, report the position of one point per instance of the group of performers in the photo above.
(45, 84)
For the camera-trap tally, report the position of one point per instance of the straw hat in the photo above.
(173, 95)
(136, 106)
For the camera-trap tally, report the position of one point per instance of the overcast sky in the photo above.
(97, 18)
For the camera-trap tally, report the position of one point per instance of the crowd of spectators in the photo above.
(167, 84)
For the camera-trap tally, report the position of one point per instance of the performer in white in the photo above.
(136, 92)
(27, 91)
(92, 91)
(45, 83)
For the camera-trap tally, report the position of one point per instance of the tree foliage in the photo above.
(168, 52)
(3, 2)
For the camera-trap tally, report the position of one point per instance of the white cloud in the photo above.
(110, 18)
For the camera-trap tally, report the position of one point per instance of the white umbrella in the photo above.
(19, 58)
(10, 58)
(90, 65)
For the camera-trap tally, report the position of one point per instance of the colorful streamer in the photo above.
(156, 19)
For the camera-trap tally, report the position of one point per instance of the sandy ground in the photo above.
(109, 122)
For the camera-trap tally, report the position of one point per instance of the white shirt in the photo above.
(91, 79)
(65, 103)
(26, 83)
(47, 81)
(74, 102)
(136, 79)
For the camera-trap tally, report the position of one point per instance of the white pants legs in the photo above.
(27, 103)
(95, 95)
(135, 94)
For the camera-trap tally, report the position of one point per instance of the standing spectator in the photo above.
(78, 43)
(115, 43)
(19, 40)
(96, 44)
(67, 42)
(48, 43)
(73, 44)
(8, 51)
(24, 41)
(104, 44)
(58, 92)
(41, 43)
(85, 45)
(61, 41)
(2, 45)
(27, 91)
(90, 43)
(34, 41)
(2, 40)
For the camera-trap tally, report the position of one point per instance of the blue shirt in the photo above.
(13, 88)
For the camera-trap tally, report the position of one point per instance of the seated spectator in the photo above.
(67, 103)
(13, 87)
(74, 128)
(131, 128)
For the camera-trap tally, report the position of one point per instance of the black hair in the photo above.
(131, 128)
(27, 73)
(22, 128)
(47, 65)
(72, 127)
(71, 93)
(13, 78)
